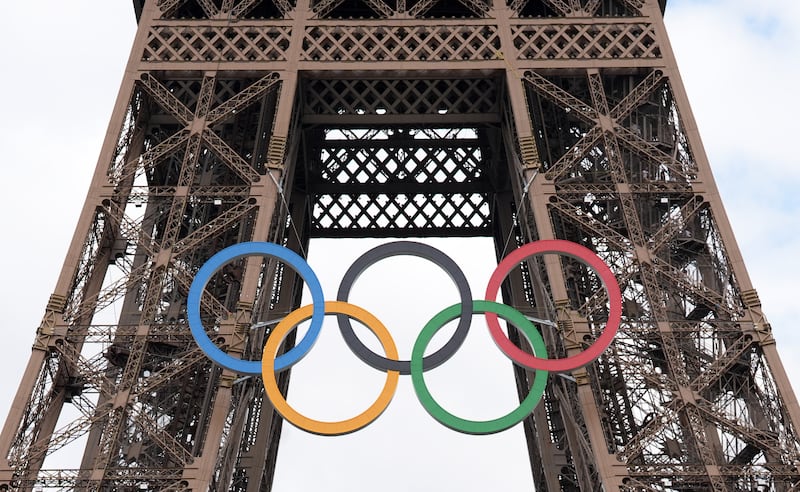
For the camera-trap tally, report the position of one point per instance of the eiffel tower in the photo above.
(284, 121)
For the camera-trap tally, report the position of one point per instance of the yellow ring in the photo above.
(319, 427)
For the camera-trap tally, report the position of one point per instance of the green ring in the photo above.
(475, 426)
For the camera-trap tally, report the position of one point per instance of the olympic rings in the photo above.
(414, 249)
(252, 249)
(315, 426)
(271, 363)
(470, 426)
(580, 253)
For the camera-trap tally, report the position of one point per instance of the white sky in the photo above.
(62, 65)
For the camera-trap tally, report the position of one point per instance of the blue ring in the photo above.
(235, 252)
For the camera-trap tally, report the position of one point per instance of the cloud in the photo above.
(739, 62)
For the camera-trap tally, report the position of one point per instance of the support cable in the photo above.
(285, 204)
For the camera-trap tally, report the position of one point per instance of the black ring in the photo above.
(412, 249)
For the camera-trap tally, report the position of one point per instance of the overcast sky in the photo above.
(63, 62)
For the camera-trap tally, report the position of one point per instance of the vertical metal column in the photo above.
(275, 120)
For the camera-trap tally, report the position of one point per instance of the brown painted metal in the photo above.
(251, 120)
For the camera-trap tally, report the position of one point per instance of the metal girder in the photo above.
(242, 99)
(209, 8)
(163, 439)
(676, 223)
(700, 292)
(718, 367)
(84, 370)
(574, 155)
(166, 99)
(591, 7)
(635, 97)
(637, 144)
(110, 293)
(208, 304)
(561, 97)
(129, 230)
(658, 278)
(685, 397)
(167, 7)
(160, 151)
(191, 157)
(635, 5)
(380, 7)
(614, 157)
(63, 436)
(243, 7)
(172, 371)
(647, 433)
(324, 7)
(560, 6)
(230, 157)
(597, 227)
(478, 7)
(421, 7)
(214, 227)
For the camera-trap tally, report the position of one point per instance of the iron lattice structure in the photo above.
(274, 120)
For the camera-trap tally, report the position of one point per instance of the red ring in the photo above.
(580, 253)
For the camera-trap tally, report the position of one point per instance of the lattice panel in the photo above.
(359, 96)
(192, 43)
(581, 41)
(335, 214)
(410, 165)
(367, 43)
(577, 8)
(125, 478)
